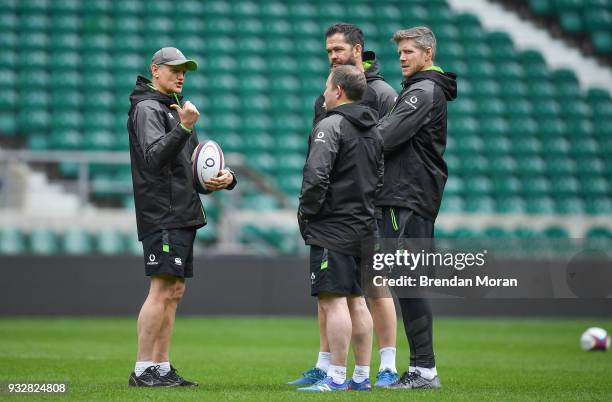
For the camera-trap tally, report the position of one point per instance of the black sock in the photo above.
(418, 320)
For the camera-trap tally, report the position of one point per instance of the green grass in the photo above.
(252, 358)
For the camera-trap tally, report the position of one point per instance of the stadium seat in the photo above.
(12, 241)
(76, 241)
(109, 242)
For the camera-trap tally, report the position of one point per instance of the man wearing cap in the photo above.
(168, 208)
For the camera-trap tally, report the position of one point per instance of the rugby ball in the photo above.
(595, 339)
(207, 160)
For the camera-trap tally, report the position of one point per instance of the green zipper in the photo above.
(393, 220)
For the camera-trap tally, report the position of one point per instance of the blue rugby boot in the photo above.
(325, 385)
(309, 377)
(365, 385)
(386, 378)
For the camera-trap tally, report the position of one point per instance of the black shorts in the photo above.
(398, 222)
(169, 252)
(334, 272)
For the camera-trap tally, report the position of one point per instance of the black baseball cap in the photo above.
(171, 56)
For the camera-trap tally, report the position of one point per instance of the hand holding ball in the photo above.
(209, 172)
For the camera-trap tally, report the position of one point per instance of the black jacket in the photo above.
(385, 94)
(415, 139)
(342, 174)
(379, 96)
(162, 175)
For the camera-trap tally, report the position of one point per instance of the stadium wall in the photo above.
(223, 285)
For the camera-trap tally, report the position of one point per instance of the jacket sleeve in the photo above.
(158, 146)
(386, 100)
(322, 153)
(380, 169)
(410, 113)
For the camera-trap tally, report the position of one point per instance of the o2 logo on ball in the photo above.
(207, 161)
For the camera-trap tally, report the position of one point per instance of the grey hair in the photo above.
(351, 79)
(423, 37)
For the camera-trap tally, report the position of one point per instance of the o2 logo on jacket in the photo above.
(320, 136)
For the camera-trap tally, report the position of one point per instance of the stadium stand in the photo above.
(523, 139)
(587, 23)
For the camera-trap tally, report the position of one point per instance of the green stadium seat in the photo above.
(66, 139)
(163, 7)
(213, 8)
(8, 100)
(93, 42)
(452, 204)
(506, 185)
(599, 206)
(540, 205)
(290, 183)
(541, 7)
(260, 202)
(584, 147)
(599, 232)
(301, 10)
(595, 186)
(481, 51)
(245, 9)
(8, 21)
(551, 127)
(493, 126)
(481, 204)
(274, 10)
(257, 123)
(522, 127)
(100, 140)
(569, 205)
(477, 185)
(513, 90)
(34, 22)
(602, 41)
(33, 120)
(572, 22)
(555, 232)
(598, 19)
(526, 145)
(8, 125)
(76, 241)
(276, 29)
(8, 40)
(207, 234)
(43, 242)
(565, 185)
(590, 167)
(493, 107)
(559, 166)
(12, 241)
(541, 91)
(463, 232)
(510, 204)
(503, 165)
(67, 80)
(33, 40)
(535, 185)
(508, 70)
(109, 242)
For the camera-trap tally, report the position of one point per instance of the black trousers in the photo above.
(404, 223)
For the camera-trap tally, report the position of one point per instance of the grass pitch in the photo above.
(251, 359)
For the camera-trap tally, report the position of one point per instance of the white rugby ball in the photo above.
(595, 339)
(207, 161)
